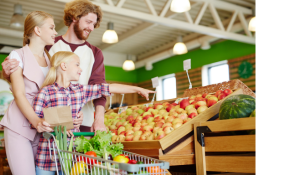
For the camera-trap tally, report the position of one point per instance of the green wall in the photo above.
(224, 50)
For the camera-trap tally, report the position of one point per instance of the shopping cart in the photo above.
(73, 163)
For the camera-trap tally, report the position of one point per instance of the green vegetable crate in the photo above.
(75, 163)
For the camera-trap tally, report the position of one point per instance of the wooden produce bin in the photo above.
(217, 151)
(178, 147)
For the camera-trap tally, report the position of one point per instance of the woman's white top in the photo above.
(15, 55)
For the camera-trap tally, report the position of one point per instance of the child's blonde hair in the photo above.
(55, 61)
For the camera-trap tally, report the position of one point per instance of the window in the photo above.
(169, 88)
(166, 88)
(215, 73)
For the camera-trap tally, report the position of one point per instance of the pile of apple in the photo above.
(160, 119)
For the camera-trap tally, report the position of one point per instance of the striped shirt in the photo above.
(75, 96)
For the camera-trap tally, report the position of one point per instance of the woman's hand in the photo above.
(43, 126)
(77, 122)
(145, 92)
(70, 133)
(9, 66)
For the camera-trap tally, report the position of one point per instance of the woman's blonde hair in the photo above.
(35, 18)
(55, 61)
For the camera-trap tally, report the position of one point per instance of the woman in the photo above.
(21, 140)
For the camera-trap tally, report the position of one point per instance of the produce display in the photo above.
(237, 106)
(155, 121)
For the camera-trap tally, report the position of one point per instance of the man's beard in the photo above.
(79, 32)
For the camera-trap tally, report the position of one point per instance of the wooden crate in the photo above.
(217, 151)
(178, 146)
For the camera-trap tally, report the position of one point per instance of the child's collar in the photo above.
(71, 86)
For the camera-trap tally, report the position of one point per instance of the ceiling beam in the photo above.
(175, 23)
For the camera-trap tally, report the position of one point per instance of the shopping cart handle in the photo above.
(80, 133)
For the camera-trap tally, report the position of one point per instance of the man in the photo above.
(81, 17)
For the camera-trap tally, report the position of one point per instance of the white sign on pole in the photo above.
(187, 64)
(154, 82)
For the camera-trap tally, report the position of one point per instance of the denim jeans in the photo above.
(43, 172)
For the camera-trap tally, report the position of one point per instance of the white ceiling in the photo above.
(146, 28)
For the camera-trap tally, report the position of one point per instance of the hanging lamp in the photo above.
(179, 48)
(17, 20)
(128, 64)
(252, 23)
(180, 6)
(110, 36)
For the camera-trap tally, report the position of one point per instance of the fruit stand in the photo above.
(178, 147)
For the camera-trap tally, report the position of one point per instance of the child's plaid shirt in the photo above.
(75, 96)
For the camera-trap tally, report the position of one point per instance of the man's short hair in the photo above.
(78, 8)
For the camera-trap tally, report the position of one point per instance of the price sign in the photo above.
(122, 109)
(154, 82)
(187, 64)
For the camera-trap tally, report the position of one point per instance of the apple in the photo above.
(201, 109)
(146, 113)
(125, 123)
(187, 108)
(138, 118)
(156, 129)
(114, 138)
(150, 137)
(151, 124)
(148, 128)
(138, 124)
(130, 118)
(227, 91)
(191, 111)
(177, 120)
(177, 106)
(138, 133)
(211, 101)
(147, 109)
(221, 96)
(179, 110)
(182, 116)
(154, 112)
(150, 119)
(159, 107)
(191, 101)
(162, 111)
(113, 127)
(175, 114)
(170, 119)
(144, 124)
(165, 117)
(147, 133)
(167, 124)
(129, 132)
(165, 114)
(168, 129)
(200, 103)
(169, 108)
(184, 112)
(144, 121)
(159, 124)
(120, 138)
(128, 111)
(184, 103)
(192, 97)
(158, 118)
(186, 120)
(118, 124)
(177, 125)
(204, 95)
(174, 104)
(136, 138)
(129, 137)
(143, 137)
(192, 115)
(136, 128)
(166, 104)
(122, 133)
(218, 92)
(114, 131)
(128, 127)
(208, 96)
(159, 135)
(140, 111)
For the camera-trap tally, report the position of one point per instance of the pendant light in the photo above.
(179, 48)
(180, 6)
(17, 19)
(128, 64)
(252, 23)
(110, 36)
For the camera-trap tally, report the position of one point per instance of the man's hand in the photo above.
(99, 119)
(9, 66)
(77, 122)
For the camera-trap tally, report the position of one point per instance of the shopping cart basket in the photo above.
(71, 162)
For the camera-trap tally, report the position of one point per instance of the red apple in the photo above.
(174, 104)
(211, 101)
(129, 137)
(204, 95)
(122, 133)
(184, 103)
(167, 124)
(143, 137)
(218, 92)
(227, 91)
(147, 109)
(159, 135)
(148, 128)
(221, 96)
(200, 103)
(129, 132)
(146, 117)
(168, 129)
(114, 131)
(182, 116)
(159, 124)
(170, 119)
(169, 108)
(192, 115)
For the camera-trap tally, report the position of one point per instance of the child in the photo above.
(57, 90)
